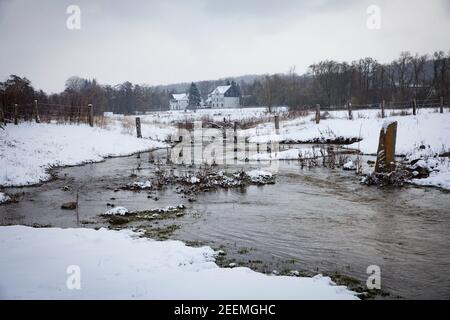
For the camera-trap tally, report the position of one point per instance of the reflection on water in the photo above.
(321, 218)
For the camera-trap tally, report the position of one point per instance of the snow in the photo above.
(167, 117)
(259, 176)
(426, 158)
(255, 174)
(180, 96)
(121, 265)
(426, 127)
(221, 89)
(141, 185)
(291, 154)
(350, 165)
(121, 211)
(193, 180)
(437, 179)
(29, 149)
(4, 198)
(386, 124)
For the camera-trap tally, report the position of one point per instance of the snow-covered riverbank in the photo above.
(28, 150)
(428, 130)
(121, 265)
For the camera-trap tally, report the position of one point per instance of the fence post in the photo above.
(224, 144)
(2, 114)
(16, 114)
(317, 113)
(383, 105)
(277, 124)
(180, 135)
(414, 102)
(235, 140)
(36, 112)
(138, 127)
(442, 105)
(386, 148)
(91, 115)
(350, 113)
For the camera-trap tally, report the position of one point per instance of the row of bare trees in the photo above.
(328, 83)
(365, 81)
(124, 98)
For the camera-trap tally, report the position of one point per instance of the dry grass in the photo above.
(128, 125)
(401, 113)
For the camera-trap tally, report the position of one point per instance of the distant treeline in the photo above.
(329, 83)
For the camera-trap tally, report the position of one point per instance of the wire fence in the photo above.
(401, 105)
(46, 113)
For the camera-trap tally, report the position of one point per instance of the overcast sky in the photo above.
(161, 42)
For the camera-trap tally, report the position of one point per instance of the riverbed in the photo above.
(315, 220)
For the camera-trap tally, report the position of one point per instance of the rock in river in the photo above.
(69, 206)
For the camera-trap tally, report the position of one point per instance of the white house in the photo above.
(179, 101)
(224, 97)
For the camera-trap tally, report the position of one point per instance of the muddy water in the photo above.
(311, 219)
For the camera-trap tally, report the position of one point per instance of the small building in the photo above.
(225, 97)
(179, 101)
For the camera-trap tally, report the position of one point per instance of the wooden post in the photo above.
(138, 127)
(317, 113)
(36, 112)
(383, 105)
(91, 115)
(350, 113)
(441, 110)
(192, 147)
(78, 214)
(168, 160)
(235, 140)
(16, 114)
(180, 136)
(224, 144)
(414, 105)
(2, 114)
(386, 148)
(277, 124)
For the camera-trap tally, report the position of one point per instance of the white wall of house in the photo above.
(220, 101)
(178, 102)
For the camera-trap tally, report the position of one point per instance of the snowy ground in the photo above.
(120, 265)
(428, 128)
(212, 114)
(4, 198)
(29, 149)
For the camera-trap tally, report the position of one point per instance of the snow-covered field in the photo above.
(428, 128)
(212, 114)
(29, 149)
(120, 265)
